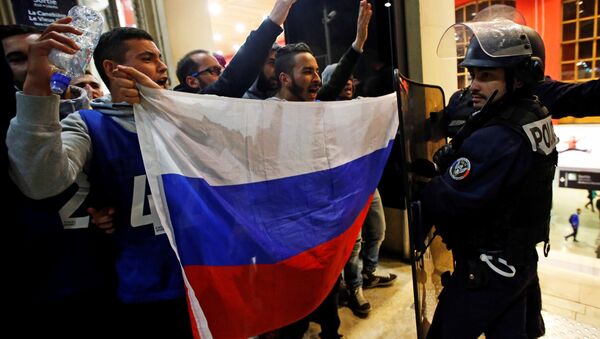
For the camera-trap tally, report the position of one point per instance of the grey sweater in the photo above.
(43, 161)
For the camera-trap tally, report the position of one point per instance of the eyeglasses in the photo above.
(214, 70)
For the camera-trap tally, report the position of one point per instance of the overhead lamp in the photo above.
(214, 8)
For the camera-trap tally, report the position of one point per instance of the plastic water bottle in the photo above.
(90, 23)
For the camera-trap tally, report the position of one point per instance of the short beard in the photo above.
(297, 90)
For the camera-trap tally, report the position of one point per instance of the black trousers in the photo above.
(574, 234)
(489, 303)
(325, 315)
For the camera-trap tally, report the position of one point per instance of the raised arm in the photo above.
(362, 25)
(249, 59)
(280, 11)
(567, 99)
(348, 61)
(44, 162)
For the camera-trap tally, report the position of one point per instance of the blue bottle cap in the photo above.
(59, 83)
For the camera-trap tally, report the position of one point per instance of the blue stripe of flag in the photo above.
(267, 222)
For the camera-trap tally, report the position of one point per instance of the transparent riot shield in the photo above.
(421, 108)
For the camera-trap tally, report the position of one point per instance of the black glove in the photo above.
(424, 168)
(444, 157)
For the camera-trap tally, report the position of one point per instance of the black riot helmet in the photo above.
(499, 43)
(525, 58)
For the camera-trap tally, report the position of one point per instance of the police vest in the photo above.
(519, 219)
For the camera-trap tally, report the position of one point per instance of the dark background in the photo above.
(305, 24)
(42, 14)
(375, 69)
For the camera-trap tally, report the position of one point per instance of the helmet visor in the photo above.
(496, 12)
(498, 38)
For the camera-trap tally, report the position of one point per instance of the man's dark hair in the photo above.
(284, 61)
(187, 65)
(112, 47)
(7, 31)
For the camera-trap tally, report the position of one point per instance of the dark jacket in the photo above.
(498, 189)
(345, 67)
(560, 98)
(245, 65)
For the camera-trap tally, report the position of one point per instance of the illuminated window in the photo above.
(466, 13)
(580, 60)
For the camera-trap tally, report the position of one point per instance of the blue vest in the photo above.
(147, 267)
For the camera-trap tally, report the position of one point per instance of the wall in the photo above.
(545, 16)
(424, 30)
(189, 27)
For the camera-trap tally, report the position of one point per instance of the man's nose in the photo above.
(162, 67)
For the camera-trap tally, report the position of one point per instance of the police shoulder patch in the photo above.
(460, 169)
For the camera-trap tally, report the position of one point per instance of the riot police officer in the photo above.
(492, 204)
(560, 98)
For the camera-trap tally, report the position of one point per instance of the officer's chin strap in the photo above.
(488, 260)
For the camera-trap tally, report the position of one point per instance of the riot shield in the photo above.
(421, 108)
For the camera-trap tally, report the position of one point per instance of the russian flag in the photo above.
(262, 200)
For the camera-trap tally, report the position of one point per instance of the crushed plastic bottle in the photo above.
(90, 23)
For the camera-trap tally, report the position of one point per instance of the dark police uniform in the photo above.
(562, 100)
(491, 207)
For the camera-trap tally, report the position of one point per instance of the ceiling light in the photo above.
(214, 8)
(388, 4)
(217, 37)
(240, 28)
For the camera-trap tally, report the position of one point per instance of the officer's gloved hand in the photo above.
(423, 168)
(444, 157)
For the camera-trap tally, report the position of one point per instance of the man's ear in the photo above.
(192, 81)
(284, 79)
(109, 66)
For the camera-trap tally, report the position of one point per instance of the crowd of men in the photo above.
(75, 205)
(93, 265)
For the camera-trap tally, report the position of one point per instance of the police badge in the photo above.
(460, 169)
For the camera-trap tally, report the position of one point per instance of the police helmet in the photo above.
(525, 57)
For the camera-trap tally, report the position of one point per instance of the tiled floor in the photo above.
(393, 314)
(571, 268)
(561, 327)
(566, 201)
